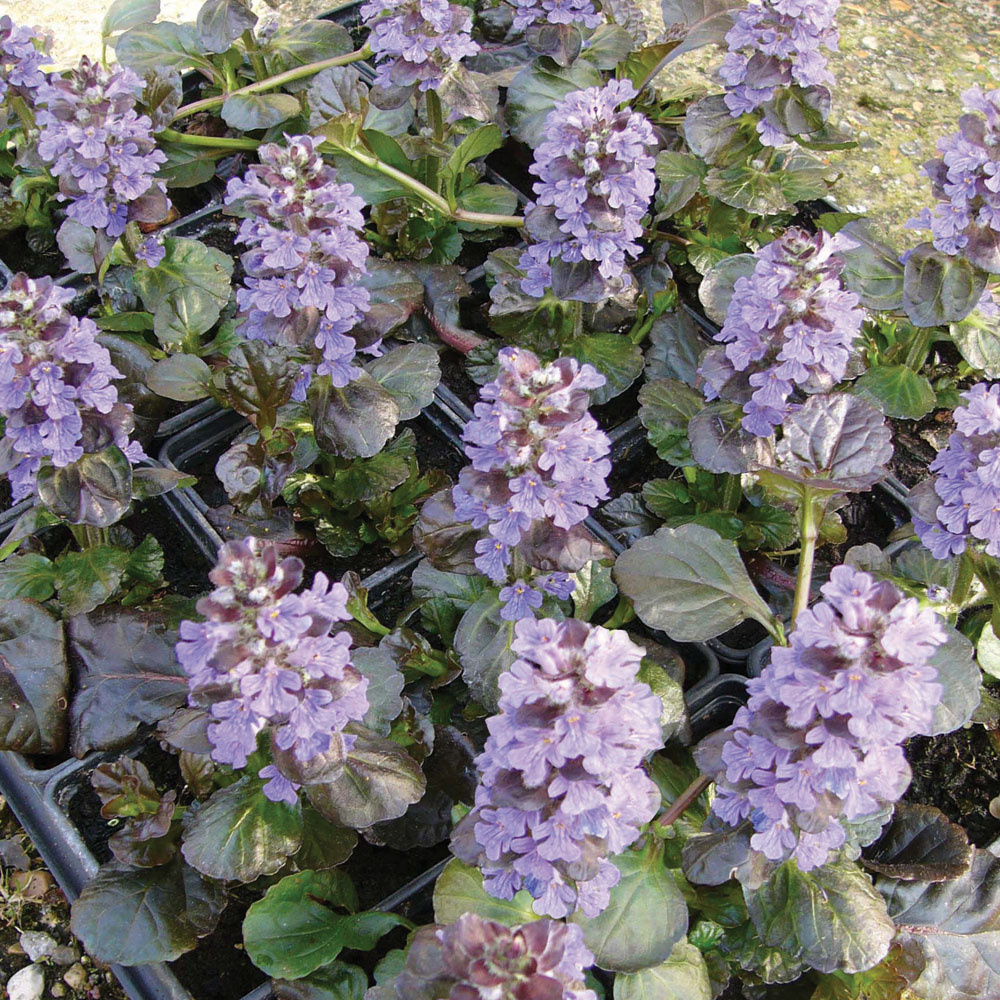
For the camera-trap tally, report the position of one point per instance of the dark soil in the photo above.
(959, 773)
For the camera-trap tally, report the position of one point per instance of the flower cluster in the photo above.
(595, 183)
(100, 148)
(417, 41)
(306, 254)
(966, 179)
(819, 741)
(536, 453)
(968, 479)
(791, 323)
(775, 44)
(562, 783)
(264, 658)
(56, 391)
(22, 51)
(528, 12)
(477, 959)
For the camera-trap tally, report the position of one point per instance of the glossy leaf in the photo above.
(395, 292)
(30, 575)
(385, 685)
(83, 247)
(221, 22)
(830, 917)
(614, 356)
(448, 543)
(95, 489)
(919, 844)
(959, 675)
(938, 288)
(683, 976)
(716, 288)
(538, 87)
(259, 378)
(689, 582)
(239, 834)
(482, 641)
(248, 112)
(977, 336)
(187, 263)
(183, 315)
(149, 47)
(354, 421)
(124, 14)
(459, 889)
(679, 176)
(162, 97)
(410, 373)
(303, 42)
(645, 918)
(89, 577)
(871, 269)
(445, 596)
(333, 981)
(593, 588)
(134, 916)
(898, 390)
(34, 678)
(674, 348)
(665, 408)
(717, 439)
(323, 844)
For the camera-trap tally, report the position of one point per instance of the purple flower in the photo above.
(562, 785)
(775, 44)
(537, 455)
(595, 183)
(790, 323)
(818, 744)
(519, 601)
(55, 384)
(477, 959)
(303, 287)
(22, 51)
(264, 659)
(417, 41)
(151, 252)
(102, 151)
(529, 12)
(966, 180)
(968, 479)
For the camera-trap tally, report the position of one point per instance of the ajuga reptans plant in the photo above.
(562, 786)
(528, 12)
(22, 52)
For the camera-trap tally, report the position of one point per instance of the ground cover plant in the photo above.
(583, 374)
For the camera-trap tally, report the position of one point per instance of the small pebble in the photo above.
(870, 42)
(58, 990)
(75, 977)
(38, 944)
(27, 984)
(64, 954)
(936, 85)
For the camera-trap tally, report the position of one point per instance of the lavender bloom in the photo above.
(264, 659)
(562, 783)
(151, 252)
(595, 183)
(56, 390)
(477, 959)
(417, 41)
(537, 454)
(22, 51)
(968, 479)
(306, 258)
(819, 743)
(966, 180)
(790, 323)
(775, 44)
(101, 150)
(529, 12)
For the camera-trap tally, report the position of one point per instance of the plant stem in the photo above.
(279, 80)
(221, 143)
(732, 493)
(624, 613)
(681, 803)
(253, 53)
(963, 580)
(435, 116)
(808, 532)
(920, 345)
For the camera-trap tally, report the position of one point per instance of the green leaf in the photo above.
(645, 918)
(830, 917)
(593, 588)
(689, 582)
(296, 928)
(125, 14)
(872, 270)
(679, 177)
(665, 408)
(379, 781)
(221, 22)
(977, 336)
(323, 844)
(134, 916)
(183, 315)
(538, 87)
(186, 264)
(614, 356)
(29, 523)
(482, 641)
(152, 482)
(683, 976)
(95, 489)
(89, 577)
(239, 834)
(259, 378)
(987, 652)
(674, 348)
(938, 288)
(130, 322)
(30, 575)
(716, 290)
(491, 199)
(333, 981)
(899, 391)
(164, 45)
(354, 421)
(34, 678)
(959, 675)
(459, 889)
(145, 562)
(187, 166)
(305, 42)
(385, 685)
(248, 112)
(475, 146)
(411, 373)
(776, 188)
(446, 597)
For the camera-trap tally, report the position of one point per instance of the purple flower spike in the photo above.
(966, 180)
(56, 384)
(102, 151)
(22, 51)
(477, 959)
(968, 479)
(595, 183)
(529, 12)
(264, 659)
(562, 785)
(819, 742)
(775, 44)
(417, 41)
(790, 323)
(305, 260)
(537, 455)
